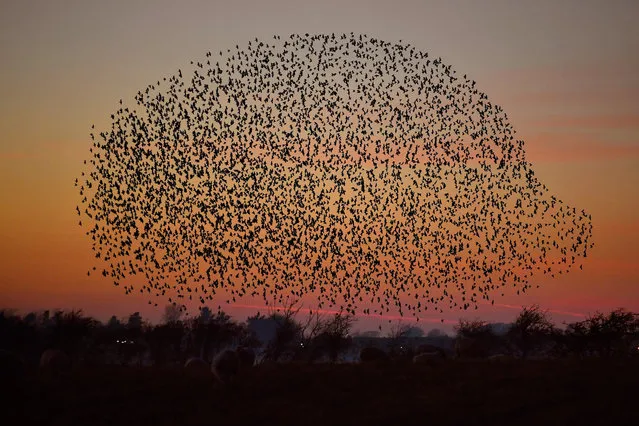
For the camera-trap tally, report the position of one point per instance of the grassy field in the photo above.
(552, 392)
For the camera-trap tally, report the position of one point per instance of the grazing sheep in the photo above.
(500, 357)
(54, 361)
(12, 367)
(246, 356)
(426, 348)
(373, 355)
(226, 366)
(472, 347)
(268, 363)
(429, 358)
(196, 366)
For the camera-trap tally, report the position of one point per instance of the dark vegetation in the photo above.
(131, 372)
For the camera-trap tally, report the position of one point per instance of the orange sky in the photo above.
(566, 74)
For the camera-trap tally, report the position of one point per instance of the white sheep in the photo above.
(500, 357)
(54, 361)
(246, 356)
(196, 366)
(226, 366)
(428, 358)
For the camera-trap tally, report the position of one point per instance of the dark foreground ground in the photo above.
(593, 392)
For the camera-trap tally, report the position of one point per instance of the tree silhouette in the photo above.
(19, 336)
(71, 331)
(475, 339)
(530, 330)
(398, 339)
(434, 333)
(209, 334)
(327, 337)
(172, 314)
(604, 335)
(289, 334)
(87, 341)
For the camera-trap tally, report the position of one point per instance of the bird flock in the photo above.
(367, 174)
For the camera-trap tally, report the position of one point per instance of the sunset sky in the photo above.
(566, 73)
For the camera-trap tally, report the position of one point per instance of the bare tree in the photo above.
(530, 330)
(398, 338)
(329, 337)
(289, 333)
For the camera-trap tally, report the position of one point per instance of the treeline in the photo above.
(134, 341)
(283, 336)
(532, 334)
